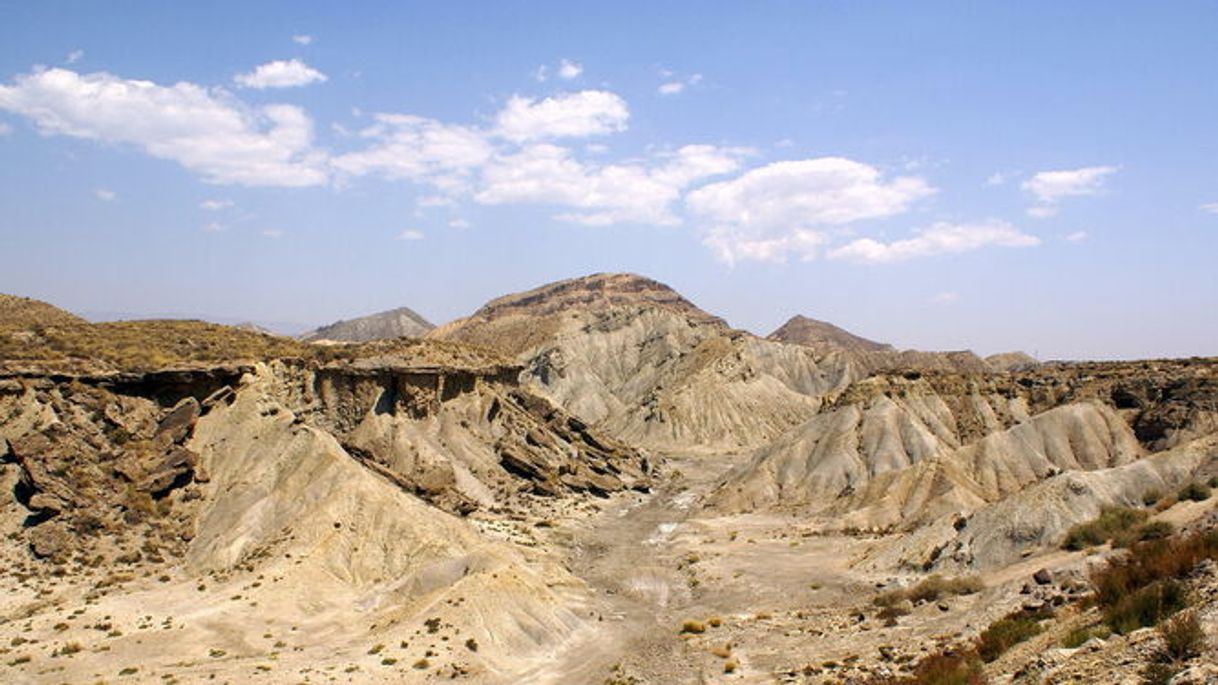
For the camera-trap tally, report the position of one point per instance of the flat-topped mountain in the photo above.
(402, 322)
(801, 330)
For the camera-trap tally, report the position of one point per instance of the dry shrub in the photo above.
(1111, 522)
(1183, 637)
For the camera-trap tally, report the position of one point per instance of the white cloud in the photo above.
(418, 149)
(1211, 207)
(205, 131)
(674, 87)
(602, 194)
(1042, 211)
(215, 205)
(540, 74)
(946, 297)
(997, 178)
(290, 73)
(75, 56)
(571, 115)
(459, 224)
(410, 234)
(1077, 236)
(274, 233)
(302, 39)
(5, 129)
(782, 207)
(569, 70)
(940, 238)
(1050, 187)
(215, 227)
(105, 195)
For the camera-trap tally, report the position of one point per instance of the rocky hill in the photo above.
(801, 330)
(24, 313)
(635, 358)
(395, 323)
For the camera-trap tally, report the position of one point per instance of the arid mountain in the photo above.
(632, 356)
(801, 330)
(395, 323)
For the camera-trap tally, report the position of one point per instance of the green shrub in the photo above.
(1157, 674)
(1111, 522)
(1151, 530)
(1195, 492)
(1005, 633)
(1079, 636)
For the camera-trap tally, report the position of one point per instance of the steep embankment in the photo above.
(903, 452)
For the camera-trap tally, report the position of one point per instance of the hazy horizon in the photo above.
(1035, 177)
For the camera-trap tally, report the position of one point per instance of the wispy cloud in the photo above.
(944, 297)
(411, 234)
(214, 205)
(940, 238)
(566, 69)
(458, 223)
(1077, 236)
(5, 129)
(74, 56)
(274, 233)
(105, 195)
(302, 39)
(1211, 207)
(675, 87)
(214, 227)
(1051, 187)
(291, 73)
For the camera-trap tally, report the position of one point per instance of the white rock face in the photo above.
(289, 500)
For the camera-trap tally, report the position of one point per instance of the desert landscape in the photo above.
(594, 481)
(630, 343)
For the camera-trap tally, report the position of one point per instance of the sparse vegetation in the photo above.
(1112, 521)
(1143, 587)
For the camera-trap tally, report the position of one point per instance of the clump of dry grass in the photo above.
(930, 589)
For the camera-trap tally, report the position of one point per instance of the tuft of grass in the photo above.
(930, 589)
(693, 626)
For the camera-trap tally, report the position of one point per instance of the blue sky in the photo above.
(1027, 175)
